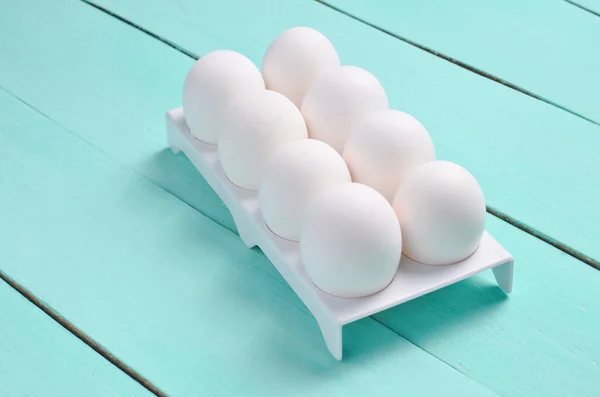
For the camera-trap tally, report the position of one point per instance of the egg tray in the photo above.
(412, 279)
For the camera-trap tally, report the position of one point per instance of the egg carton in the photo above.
(412, 279)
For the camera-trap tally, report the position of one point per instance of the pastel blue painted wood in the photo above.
(173, 295)
(542, 341)
(105, 82)
(182, 301)
(546, 47)
(168, 291)
(39, 358)
(507, 140)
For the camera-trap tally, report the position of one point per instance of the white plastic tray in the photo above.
(412, 279)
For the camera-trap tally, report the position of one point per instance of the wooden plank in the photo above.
(536, 164)
(545, 47)
(169, 292)
(39, 358)
(109, 85)
(198, 313)
(542, 341)
(186, 318)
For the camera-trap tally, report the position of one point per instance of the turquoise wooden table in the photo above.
(122, 273)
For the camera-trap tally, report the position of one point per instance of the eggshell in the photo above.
(351, 242)
(337, 100)
(442, 212)
(383, 147)
(259, 123)
(294, 59)
(296, 174)
(213, 81)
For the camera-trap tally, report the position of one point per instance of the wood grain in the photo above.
(40, 358)
(537, 164)
(170, 293)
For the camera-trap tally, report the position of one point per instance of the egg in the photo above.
(258, 124)
(351, 242)
(337, 100)
(296, 174)
(442, 212)
(212, 82)
(294, 59)
(383, 146)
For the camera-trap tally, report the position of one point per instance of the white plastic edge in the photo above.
(411, 281)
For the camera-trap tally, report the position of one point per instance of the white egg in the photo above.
(383, 147)
(351, 242)
(296, 174)
(258, 124)
(294, 59)
(337, 100)
(442, 212)
(213, 81)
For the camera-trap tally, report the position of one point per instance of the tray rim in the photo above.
(330, 311)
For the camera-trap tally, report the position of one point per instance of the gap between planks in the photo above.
(581, 7)
(142, 29)
(431, 354)
(545, 238)
(66, 324)
(497, 213)
(453, 60)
